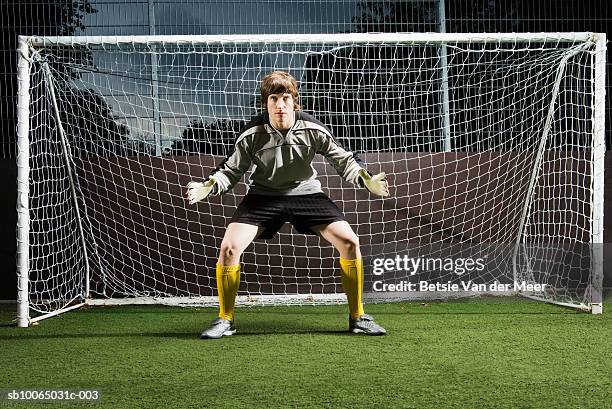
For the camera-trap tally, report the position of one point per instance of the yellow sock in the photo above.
(352, 282)
(228, 280)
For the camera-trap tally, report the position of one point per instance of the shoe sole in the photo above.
(360, 331)
(225, 334)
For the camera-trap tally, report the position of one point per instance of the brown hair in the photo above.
(279, 82)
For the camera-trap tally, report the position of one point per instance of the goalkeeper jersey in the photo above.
(282, 164)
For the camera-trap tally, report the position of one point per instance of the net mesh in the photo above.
(485, 145)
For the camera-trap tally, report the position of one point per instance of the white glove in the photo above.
(376, 184)
(197, 191)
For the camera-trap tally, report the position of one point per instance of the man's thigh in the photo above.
(336, 233)
(240, 235)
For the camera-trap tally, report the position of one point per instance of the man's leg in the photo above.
(343, 238)
(237, 238)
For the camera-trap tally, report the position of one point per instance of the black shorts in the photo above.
(271, 212)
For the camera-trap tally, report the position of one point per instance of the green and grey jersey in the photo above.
(282, 164)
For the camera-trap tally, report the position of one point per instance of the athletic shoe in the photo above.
(365, 325)
(219, 328)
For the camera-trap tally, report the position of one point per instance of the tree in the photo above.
(87, 118)
(395, 16)
(214, 138)
(84, 113)
(61, 17)
(355, 90)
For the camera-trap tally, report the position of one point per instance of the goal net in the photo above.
(493, 147)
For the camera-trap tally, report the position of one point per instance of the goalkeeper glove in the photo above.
(376, 184)
(197, 191)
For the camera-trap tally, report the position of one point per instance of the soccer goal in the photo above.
(493, 145)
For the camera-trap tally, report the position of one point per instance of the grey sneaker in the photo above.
(219, 327)
(365, 325)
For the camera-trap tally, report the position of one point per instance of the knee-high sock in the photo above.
(352, 282)
(228, 280)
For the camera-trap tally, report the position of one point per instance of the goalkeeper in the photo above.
(281, 144)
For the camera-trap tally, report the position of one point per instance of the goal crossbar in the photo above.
(349, 38)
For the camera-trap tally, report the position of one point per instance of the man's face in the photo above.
(281, 111)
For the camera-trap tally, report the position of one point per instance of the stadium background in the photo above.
(126, 17)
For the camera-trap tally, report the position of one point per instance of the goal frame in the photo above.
(26, 43)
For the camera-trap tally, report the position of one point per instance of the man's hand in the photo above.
(197, 191)
(376, 184)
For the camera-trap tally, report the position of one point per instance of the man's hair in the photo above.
(279, 82)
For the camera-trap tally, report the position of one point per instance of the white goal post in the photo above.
(493, 144)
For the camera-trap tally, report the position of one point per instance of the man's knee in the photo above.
(350, 244)
(228, 250)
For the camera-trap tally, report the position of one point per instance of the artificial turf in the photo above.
(485, 353)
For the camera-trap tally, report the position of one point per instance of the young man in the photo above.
(281, 144)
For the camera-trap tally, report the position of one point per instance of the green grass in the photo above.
(491, 353)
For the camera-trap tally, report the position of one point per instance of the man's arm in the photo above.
(345, 163)
(225, 176)
(347, 166)
(229, 172)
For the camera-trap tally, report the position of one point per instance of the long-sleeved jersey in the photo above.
(282, 164)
